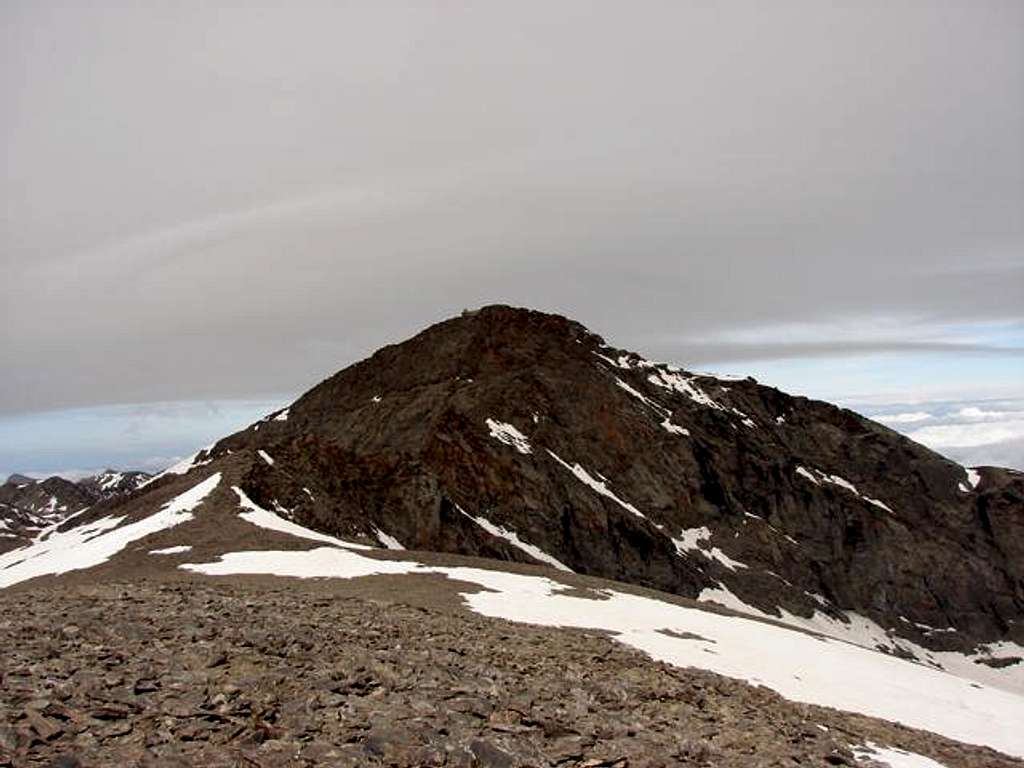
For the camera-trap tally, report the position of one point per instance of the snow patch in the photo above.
(690, 539)
(509, 435)
(266, 457)
(892, 757)
(283, 415)
(171, 550)
(388, 541)
(690, 542)
(109, 480)
(676, 382)
(264, 518)
(311, 563)
(674, 429)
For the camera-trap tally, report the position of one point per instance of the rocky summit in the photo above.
(506, 466)
(519, 435)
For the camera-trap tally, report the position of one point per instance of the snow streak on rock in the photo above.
(585, 477)
(677, 382)
(509, 435)
(513, 538)
(818, 477)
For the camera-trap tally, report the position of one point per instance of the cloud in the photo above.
(187, 217)
(1008, 453)
(969, 435)
(973, 413)
(979, 433)
(903, 418)
(147, 436)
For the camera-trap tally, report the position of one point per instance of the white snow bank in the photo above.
(585, 477)
(283, 415)
(264, 518)
(310, 563)
(55, 552)
(509, 435)
(862, 631)
(266, 457)
(799, 666)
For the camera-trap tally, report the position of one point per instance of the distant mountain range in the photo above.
(28, 506)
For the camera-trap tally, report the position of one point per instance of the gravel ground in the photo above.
(278, 673)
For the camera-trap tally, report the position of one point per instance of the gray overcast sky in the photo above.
(218, 202)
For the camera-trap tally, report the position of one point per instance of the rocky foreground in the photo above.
(181, 672)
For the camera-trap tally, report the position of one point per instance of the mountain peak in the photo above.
(519, 436)
(510, 419)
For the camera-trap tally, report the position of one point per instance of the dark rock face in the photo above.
(507, 426)
(27, 505)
